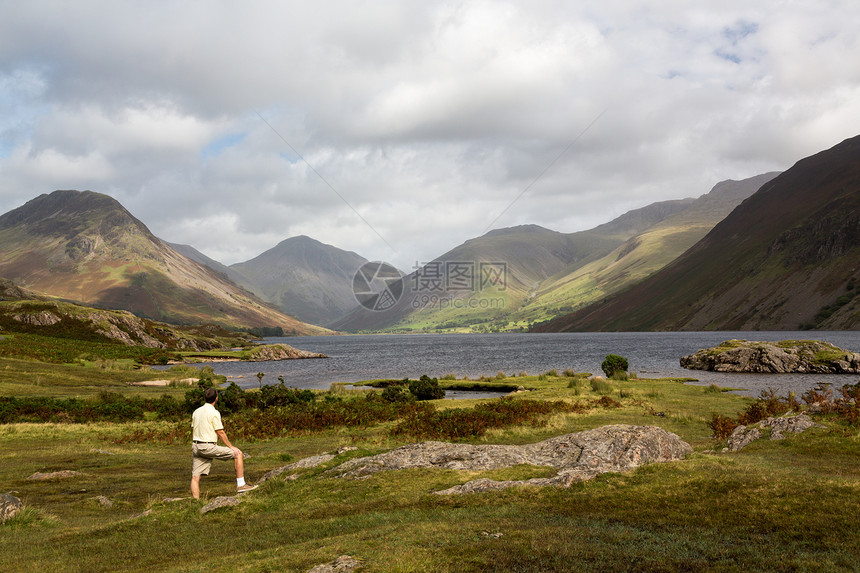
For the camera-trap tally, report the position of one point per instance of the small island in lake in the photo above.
(784, 357)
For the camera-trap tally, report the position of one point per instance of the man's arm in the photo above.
(223, 435)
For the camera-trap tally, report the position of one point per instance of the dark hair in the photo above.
(210, 395)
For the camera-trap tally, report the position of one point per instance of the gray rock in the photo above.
(104, 502)
(343, 564)
(578, 456)
(10, 506)
(304, 463)
(742, 437)
(54, 475)
(219, 502)
(801, 356)
(105, 452)
(788, 424)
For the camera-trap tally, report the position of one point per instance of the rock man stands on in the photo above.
(206, 428)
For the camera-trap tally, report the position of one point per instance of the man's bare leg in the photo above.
(239, 463)
(195, 487)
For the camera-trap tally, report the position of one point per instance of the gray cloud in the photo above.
(428, 118)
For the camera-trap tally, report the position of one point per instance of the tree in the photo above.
(260, 378)
(613, 364)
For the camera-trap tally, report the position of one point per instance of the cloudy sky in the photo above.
(401, 129)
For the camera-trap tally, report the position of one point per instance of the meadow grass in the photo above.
(775, 506)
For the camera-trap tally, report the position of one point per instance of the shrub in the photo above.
(722, 426)
(426, 388)
(569, 373)
(460, 423)
(767, 405)
(397, 394)
(614, 363)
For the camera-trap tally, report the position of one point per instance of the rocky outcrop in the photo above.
(10, 506)
(281, 352)
(43, 318)
(305, 463)
(219, 502)
(54, 475)
(343, 564)
(11, 291)
(577, 457)
(123, 327)
(742, 436)
(789, 356)
(310, 462)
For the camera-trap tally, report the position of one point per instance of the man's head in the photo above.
(210, 395)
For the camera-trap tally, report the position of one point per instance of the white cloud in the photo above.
(425, 120)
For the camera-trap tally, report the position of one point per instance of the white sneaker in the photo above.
(246, 488)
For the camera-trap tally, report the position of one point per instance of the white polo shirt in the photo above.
(205, 421)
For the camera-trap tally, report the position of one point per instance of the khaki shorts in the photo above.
(203, 454)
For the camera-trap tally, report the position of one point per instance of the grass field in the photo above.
(786, 505)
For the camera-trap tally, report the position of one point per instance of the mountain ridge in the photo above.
(787, 257)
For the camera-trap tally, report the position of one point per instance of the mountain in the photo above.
(786, 258)
(303, 277)
(641, 255)
(86, 247)
(198, 257)
(481, 283)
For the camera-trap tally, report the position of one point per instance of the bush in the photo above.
(722, 426)
(614, 363)
(397, 394)
(460, 423)
(426, 388)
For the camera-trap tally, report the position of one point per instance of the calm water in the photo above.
(650, 354)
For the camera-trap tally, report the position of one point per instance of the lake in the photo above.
(650, 354)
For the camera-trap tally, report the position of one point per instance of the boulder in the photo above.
(577, 456)
(103, 501)
(54, 475)
(788, 424)
(743, 436)
(309, 462)
(343, 564)
(10, 506)
(219, 502)
(788, 356)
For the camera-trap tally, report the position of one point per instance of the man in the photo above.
(206, 428)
